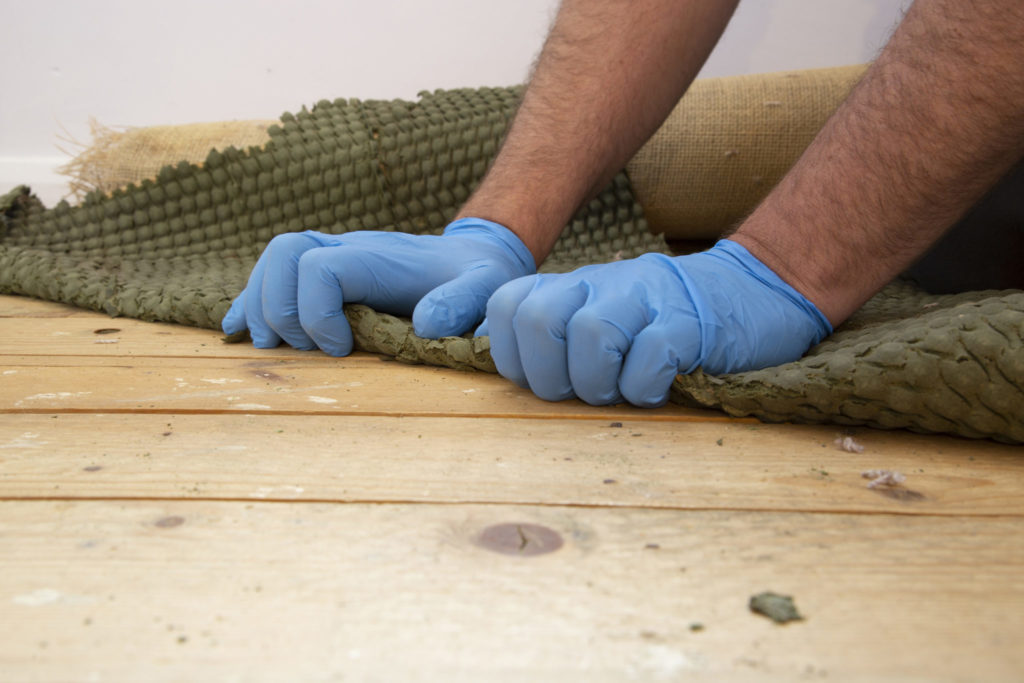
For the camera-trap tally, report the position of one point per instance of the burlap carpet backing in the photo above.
(118, 158)
(179, 247)
(716, 156)
(728, 142)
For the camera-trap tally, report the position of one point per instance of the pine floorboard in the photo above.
(176, 508)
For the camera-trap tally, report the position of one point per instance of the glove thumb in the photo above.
(454, 307)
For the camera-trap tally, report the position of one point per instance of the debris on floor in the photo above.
(883, 478)
(848, 444)
(820, 473)
(778, 608)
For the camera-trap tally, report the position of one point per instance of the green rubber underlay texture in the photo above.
(180, 248)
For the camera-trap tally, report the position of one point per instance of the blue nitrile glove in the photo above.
(297, 287)
(625, 329)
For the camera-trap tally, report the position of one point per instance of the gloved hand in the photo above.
(625, 329)
(297, 287)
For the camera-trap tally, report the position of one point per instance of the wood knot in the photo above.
(520, 539)
(169, 522)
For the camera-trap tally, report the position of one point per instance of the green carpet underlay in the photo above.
(180, 248)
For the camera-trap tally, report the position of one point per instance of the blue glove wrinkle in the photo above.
(263, 336)
(321, 300)
(493, 255)
(727, 287)
(301, 282)
(501, 310)
(654, 360)
(456, 305)
(386, 281)
(753, 266)
(694, 304)
(477, 228)
(234, 319)
(542, 319)
(643, 321)
(278, 293)
(600, 336)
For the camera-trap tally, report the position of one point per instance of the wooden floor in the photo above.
(173, 508)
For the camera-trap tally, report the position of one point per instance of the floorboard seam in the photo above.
(491, 503)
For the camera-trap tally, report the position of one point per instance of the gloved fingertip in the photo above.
(333, 344)
(481, 330)
(264, 341)
(233, 321)
(433, 322)
(331, 334)
(452, 308)
(647, 387)
(606, 399)
(649, 390)
(336, 350)
(553, 393)
(658, 354)
(648, 399)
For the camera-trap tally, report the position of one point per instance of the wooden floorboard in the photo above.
(173, 508)
(487, 460)
(161, 590)
(362, 384)
(74, 334)
(36, 309)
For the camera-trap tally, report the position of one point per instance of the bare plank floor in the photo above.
(175, 508)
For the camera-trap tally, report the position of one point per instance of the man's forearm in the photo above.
(609, 74)
(934, 123)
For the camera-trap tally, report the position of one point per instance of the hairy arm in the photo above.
(937, 119)
(609, 74)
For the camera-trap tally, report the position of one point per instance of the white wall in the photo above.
(147, 62)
